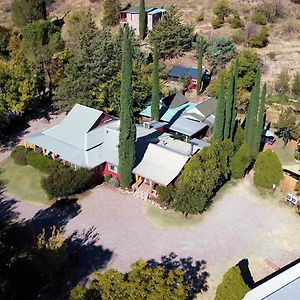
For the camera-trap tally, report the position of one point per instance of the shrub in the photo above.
(259, 18)
(66, 182)
(19, 155)
(241, 161)
(282, 83)
(267, 169)
(221, 51)
(222, 10)
(114, 182)
(236, 22)
(106, 177)
(296, 85)
(43, 163)
(238, 37)
(216, 23)
(232, 286)
(166, 194)
(200, 17)
(261, 40)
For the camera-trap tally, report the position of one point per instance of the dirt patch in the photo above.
(288, 183)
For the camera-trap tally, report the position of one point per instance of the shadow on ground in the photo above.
(194, 271)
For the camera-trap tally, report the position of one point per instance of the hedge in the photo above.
(66, 182)
(43, 163)
(19, 155)
(241, 161)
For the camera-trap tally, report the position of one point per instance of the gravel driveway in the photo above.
(238, 225)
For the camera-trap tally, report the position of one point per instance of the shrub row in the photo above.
(66, 182)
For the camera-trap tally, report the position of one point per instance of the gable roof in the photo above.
(73, 128)
(149, 10)
(207, 107)
(186, 126)
(160, 164)
(174, 100)
(179, 72)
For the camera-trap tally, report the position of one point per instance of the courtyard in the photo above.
(242, 223)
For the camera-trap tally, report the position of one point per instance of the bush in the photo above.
(106, 177)
(232, 286)
(114, 182)
(236, 22)
(259, 18)
(261, 40)
(222, 10)
(282, 83)
(241, 161)
(19, 155)
(296, 86)
(66, 182)
(166, 193)
(200, 17)
(221, 51)
(216, 23)
(267, 169)
(43, 163)
(238, 37)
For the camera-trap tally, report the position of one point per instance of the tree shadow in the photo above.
(86, 255)
(245, 272)
(194, 271)
(58, 215)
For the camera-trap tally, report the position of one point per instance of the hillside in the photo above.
(283, 50)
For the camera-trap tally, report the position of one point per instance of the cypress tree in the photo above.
(111, 10)
(233, 117)
(127, 127)
(142, 20)
(260, 121)
(251, 121)
(228, 109)
(220, 113)
(155, 85)
(200, 59)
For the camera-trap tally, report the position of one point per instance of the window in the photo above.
(112, 168)
(132, 17)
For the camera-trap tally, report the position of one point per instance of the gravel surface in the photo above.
(239, 225)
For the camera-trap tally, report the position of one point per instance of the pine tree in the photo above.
(260, 121)
(251, 119)
(228, 109)
(142, 20)
(220, 114)
(111, 10)
(155, 85)
(200, 59)
(127, 127)
(233, 117)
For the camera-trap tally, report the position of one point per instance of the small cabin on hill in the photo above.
(130, 16)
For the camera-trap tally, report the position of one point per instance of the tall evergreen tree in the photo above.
(251, 118)
(220, 114)
(199, 69)
(233, 117)
(228, 109)
(111, 10)
(155, 85)
(260, 121)
(142, 20)
(127, 127)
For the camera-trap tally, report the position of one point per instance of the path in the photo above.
(239, 225)
(34, 126)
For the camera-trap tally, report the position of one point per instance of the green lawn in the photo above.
(23, 182)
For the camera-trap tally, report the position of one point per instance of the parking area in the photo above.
(240, 224)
